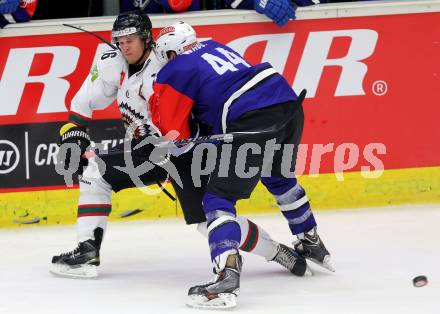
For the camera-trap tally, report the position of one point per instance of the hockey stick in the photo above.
(180, 143)
(212, 138)
(93, 34)
(197, 140)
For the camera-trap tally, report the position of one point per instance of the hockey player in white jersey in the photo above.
(127, 75)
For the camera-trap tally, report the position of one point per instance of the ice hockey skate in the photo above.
(310, 246)
(82, 262)
(220, 293)
(292, 260)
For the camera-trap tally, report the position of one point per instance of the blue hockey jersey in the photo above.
(216, 85)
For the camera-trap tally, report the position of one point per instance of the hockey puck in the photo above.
(420, 281)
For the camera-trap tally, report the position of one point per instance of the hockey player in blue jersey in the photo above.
(126, 75)
(226, 94)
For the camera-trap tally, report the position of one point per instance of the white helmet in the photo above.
(179, 37)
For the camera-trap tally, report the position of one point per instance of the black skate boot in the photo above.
(222, 292)
(310, 246)
(82, 262)
(291, 260)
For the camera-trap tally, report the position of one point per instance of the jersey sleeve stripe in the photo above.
(78, 119)
(258, 77)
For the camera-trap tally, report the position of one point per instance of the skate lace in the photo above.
(71, 253)
(285, 258)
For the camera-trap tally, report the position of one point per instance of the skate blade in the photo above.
(83, 272)
(222, 302)
(308, 271)
(325, 263)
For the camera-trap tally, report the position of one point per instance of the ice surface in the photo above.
(148, 266)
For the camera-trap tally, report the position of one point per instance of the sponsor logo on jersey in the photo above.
(121, 79)
(141, 94)
(26, 3)
(94, 73)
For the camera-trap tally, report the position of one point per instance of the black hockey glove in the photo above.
(73, 134)
(196, 132)
(144, 147)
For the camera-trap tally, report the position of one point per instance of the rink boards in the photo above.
(408, 186)
(371, 127)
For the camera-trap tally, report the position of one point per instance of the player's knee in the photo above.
(227, 226)
(213, 203)
(278, 185)
(93, 184)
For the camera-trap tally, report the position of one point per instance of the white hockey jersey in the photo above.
(108, 80)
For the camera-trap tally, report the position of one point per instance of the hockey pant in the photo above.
(95, 203)
(287, 120)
